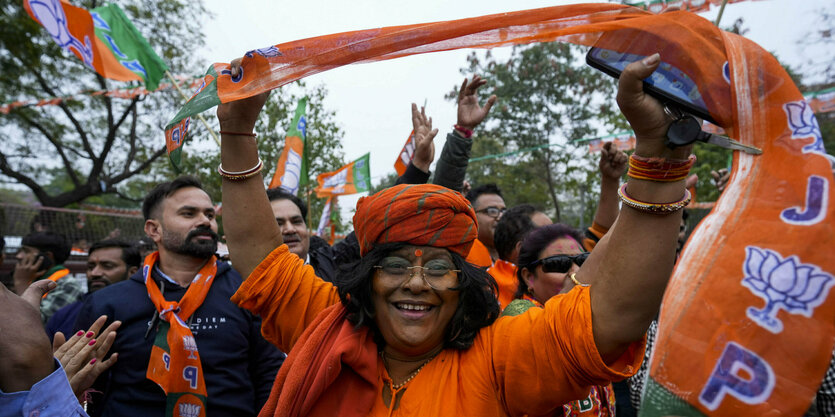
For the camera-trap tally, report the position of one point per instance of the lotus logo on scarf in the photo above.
(190, 345)
(267, 52)
(803, 124)
(51, 15)
(783, 283)
(189, 410)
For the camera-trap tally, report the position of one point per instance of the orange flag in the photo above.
(406, 155)
(291, 171)
(72, 28)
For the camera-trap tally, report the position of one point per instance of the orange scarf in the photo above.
(61, 273)
(175, 364)
(331, 371)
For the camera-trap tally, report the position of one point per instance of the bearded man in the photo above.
(183, 346)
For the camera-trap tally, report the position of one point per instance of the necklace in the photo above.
(396, 387)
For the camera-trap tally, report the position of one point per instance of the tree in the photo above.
(92, 145)
(323, 143)
(546, 96)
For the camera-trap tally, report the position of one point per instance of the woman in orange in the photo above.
(547, 258)
(412, 329)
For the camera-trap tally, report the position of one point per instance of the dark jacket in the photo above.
(322, 258)
(239, 365)
(64, 319)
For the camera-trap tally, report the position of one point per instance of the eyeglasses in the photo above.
(559, 263)
(492, 211)
(436, 272)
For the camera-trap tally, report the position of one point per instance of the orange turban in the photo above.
(424, 215)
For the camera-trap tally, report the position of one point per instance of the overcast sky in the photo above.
(372, 101)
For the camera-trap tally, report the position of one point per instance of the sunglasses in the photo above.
(559, 263)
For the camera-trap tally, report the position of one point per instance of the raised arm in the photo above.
(613, 164)
(629, 268)
(418, 170)
(452, 165)
(248, 222)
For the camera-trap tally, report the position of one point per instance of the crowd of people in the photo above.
(442, 301)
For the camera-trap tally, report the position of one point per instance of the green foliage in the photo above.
(546, 95)
(384, 183)
(88, 146)
(323, 142)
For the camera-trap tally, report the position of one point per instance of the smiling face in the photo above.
(293, 228)
(545, 285)
(411, 316)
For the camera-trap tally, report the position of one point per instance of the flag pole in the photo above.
(199, 116)
(721, 10)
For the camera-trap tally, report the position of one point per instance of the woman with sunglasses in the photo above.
(547, 257)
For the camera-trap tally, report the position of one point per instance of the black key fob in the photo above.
(683, 131)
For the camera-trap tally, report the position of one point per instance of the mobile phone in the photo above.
(47, 261)
(668, 84)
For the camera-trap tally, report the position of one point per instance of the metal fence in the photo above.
(80, 227)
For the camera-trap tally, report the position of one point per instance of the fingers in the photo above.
(489, 104)
(78, 359)
(35, 292)
(97, 325)
(106, 339)
(235, 66)
(37, 264)
(462, 89)
(58, 341)
(630, 85)
(621, 158)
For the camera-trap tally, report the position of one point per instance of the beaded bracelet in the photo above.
(240, 175)
(659, 169)
(654, 208)
(467, 132)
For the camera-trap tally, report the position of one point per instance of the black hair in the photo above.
(130, 253)
(279, 193)
(477, 303)
(51, 242)
(474, 193)
(2, 243)
(512, 227)
(535, 243)
(162, 191)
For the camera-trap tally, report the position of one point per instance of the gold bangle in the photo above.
(241, 175)
(653, 208)
(574, 280)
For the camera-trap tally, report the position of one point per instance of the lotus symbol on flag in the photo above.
(189, 410)
(783, 283)
(52, 17)
(803, 124)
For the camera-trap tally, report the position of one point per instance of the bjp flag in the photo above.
(406, 155)
(105, 40)
(291, 171)
(350, 179)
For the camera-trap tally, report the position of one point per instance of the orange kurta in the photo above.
(526, 364)
(505, 275)
(479, 255)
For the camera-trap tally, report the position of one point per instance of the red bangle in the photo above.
(659, 169)
(467, 132)
(223, 132)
